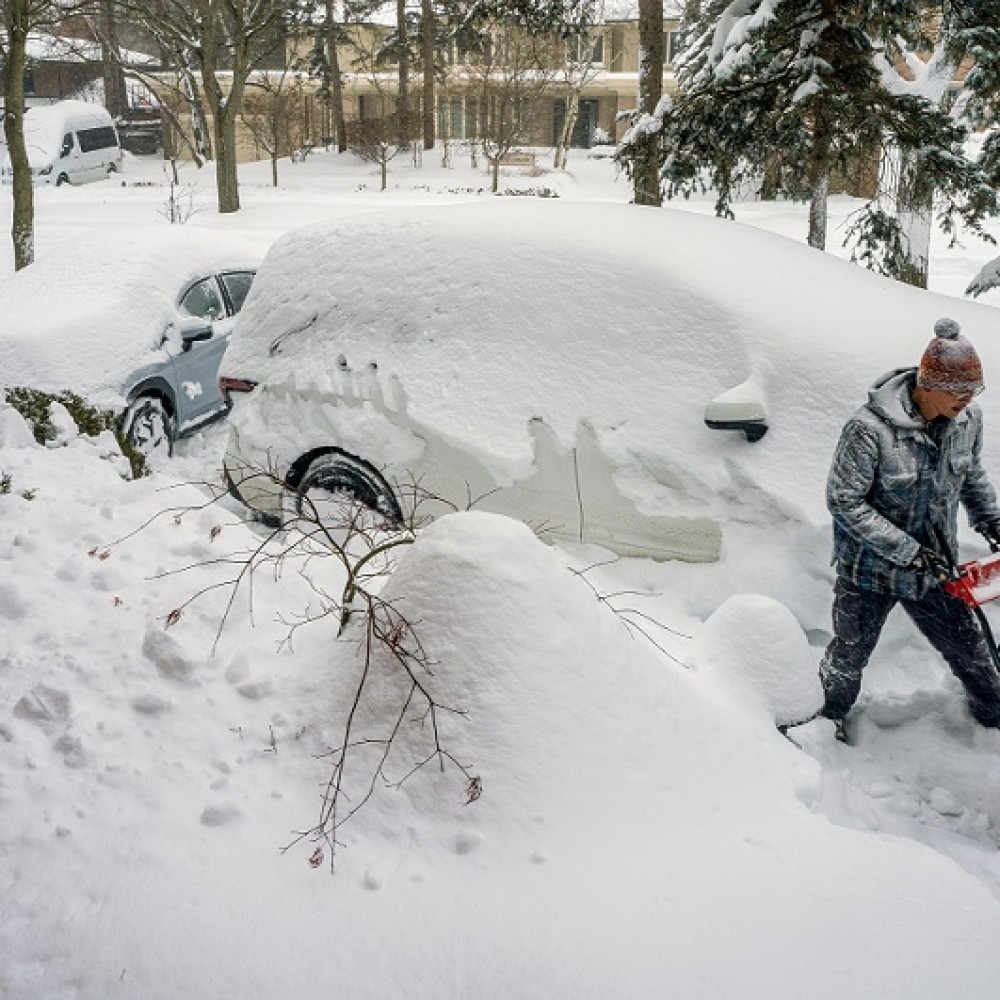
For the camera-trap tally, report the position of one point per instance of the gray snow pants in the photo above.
(949, 625)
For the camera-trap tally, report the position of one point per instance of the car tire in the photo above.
(150, 428)
(62, 179)
(339, 474)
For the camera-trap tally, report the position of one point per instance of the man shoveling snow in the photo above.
(904, 462)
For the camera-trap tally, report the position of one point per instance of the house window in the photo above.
(671, 47)
(577, 47)
(617, 49)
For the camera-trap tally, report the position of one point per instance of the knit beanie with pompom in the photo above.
(950, 361)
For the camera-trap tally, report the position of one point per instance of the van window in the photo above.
(67, 144)
(97, 138)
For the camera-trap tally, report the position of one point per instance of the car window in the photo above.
(237, 285)
(204, 300)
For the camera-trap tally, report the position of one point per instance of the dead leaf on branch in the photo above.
(316, 858)
(174, 617)
(473, 790)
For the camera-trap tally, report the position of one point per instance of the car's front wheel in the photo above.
(150, 428)
(334, 486)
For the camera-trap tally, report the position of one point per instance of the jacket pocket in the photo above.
(899, 483)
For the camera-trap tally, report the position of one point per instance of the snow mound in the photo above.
(14, 430)
(757, 648)
(524, 666)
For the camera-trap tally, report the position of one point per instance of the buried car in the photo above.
(135, 321)
(608, 375)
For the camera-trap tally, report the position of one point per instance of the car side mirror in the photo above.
(193, 330)
(739, 409)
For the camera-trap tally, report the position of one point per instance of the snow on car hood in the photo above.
(87, 314)
(489, 315)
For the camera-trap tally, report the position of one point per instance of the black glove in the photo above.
(991, 532)
(928, 561)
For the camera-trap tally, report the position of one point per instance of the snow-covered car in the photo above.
(626, 377)
(133, 321)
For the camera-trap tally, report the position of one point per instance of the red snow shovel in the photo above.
(974, 584)
(977, 582)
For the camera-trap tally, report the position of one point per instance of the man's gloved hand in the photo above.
(928, 561)
(991, 532)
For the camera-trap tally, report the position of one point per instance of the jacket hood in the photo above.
(889, 397)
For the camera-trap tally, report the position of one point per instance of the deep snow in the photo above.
(643, 829)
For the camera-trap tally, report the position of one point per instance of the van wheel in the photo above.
(150, 428)
(62, 179)
(329, 487)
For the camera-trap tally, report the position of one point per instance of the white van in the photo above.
(70, 142)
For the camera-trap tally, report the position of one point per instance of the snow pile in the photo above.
(643, 830)
(14, 429)
(631, 810)
(755, 645)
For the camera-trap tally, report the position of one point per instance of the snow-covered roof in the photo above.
(57, 48)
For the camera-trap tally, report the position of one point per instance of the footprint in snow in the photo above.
(221, 813)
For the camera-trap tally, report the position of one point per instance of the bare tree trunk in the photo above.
(199, 123)
(561, 157)
(403, 102)
(115, 97)
(646, 167)
(915, 214)
(225, 108)
(22, 229)
(427, 52)
(819, 179)
(818, 215)
(336, 83)
(226, 177)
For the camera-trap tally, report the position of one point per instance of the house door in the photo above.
(586, 122)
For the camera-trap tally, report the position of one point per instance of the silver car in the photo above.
(133, 321)
(180, 392)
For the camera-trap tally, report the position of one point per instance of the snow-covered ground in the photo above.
(642, 830)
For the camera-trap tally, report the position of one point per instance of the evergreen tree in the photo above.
(975, 34)
(792, 90)
(924, 178)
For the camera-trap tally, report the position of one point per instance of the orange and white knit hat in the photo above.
(950, 361)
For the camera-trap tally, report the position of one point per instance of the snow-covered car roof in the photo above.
(86, 315)
(488, 315)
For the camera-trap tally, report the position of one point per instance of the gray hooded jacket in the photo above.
(894, 476)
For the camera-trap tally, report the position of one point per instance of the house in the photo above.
(603, 69)
(534, 79)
